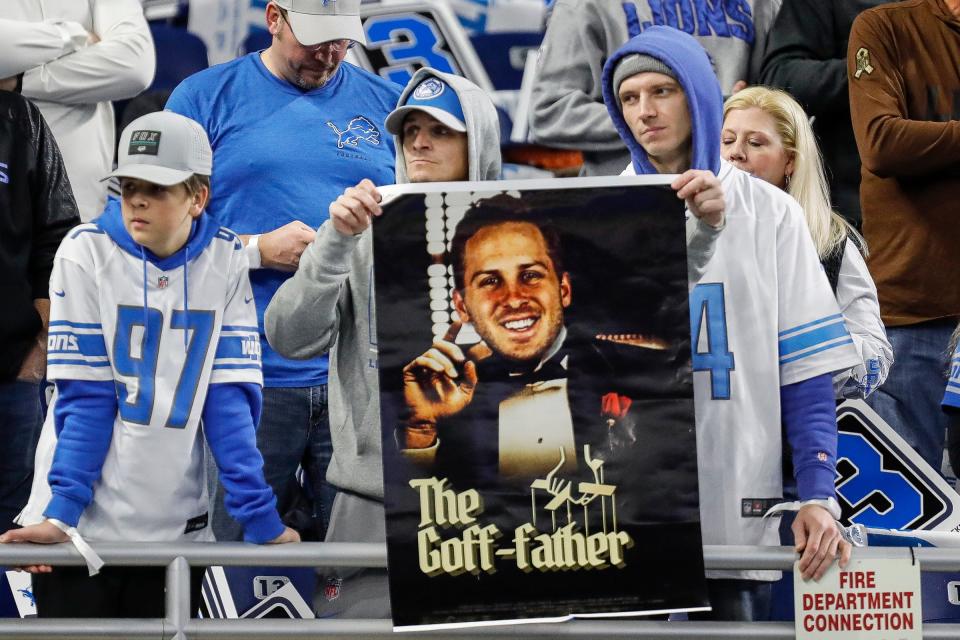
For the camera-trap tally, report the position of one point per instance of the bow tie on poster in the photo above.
(553, 369)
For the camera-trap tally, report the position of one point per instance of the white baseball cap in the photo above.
(316, 21)
(164, 148)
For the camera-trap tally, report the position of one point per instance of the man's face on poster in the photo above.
(512, 293)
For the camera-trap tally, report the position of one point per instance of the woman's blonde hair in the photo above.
(808, 182)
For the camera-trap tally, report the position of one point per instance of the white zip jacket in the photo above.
(72, 77)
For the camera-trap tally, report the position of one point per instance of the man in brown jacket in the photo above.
(905, 101)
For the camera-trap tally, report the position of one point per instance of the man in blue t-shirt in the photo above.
(291, 128)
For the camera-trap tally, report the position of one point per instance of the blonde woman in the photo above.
(766, 133)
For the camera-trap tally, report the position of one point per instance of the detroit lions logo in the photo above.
(358, 129)
(26, 593)
(428, 89)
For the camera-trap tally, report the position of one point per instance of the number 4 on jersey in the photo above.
(708, 322)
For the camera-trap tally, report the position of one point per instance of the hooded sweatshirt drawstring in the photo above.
(186, 307)
(143, 261)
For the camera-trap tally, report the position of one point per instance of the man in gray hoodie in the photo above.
(567, 110)
(445, 129)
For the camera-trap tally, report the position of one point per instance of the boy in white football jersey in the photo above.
(767, 333)
(152, 329)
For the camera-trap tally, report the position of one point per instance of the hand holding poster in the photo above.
(536, 401)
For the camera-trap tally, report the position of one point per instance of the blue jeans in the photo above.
(910, 398)
(294, 432)
(20, 421)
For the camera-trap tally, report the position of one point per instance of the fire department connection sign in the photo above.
(871, 599)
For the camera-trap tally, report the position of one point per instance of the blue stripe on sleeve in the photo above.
(839, 343)
(233, 347)
(812, 338)
(76, 325)
(797, 328)
(86, 363)
(90, 345)
(236, 327)
(86, 230)
(217, 367)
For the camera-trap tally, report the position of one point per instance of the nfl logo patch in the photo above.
(163, 281)
(331, 591)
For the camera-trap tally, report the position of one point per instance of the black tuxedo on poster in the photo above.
(536, 402)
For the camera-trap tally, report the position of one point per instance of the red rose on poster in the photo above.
(614, 406)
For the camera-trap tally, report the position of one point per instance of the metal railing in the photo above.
(177, 625)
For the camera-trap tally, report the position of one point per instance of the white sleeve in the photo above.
(237, 356)
(813, 339)
(26, 45)
(76, 348)
(119, 66)
(857, 297)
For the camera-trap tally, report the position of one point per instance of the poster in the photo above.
(536, 401)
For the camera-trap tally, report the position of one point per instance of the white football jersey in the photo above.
(762, 316)
(162, 349)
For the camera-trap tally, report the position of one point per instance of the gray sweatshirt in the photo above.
(567, 110)
(328, 306)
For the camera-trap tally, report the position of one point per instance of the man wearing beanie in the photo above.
(766, 330)
(445, 129)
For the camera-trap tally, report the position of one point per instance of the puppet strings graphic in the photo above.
(478, 546)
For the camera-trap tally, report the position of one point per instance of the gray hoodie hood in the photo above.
(480, 116)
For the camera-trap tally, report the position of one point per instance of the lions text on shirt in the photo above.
(162, 349)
